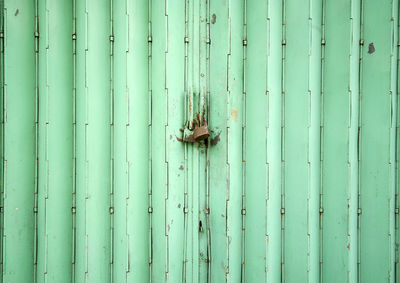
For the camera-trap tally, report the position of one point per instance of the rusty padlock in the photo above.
(201, 133)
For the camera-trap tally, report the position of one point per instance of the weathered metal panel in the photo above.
(19, 141)
(105, 180)
(131, 154)
(94, 122)
(55, 143)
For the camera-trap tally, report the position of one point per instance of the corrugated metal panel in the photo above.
(296, 183)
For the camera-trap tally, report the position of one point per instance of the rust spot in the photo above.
(215, 140)
(348, 246)
(16, 12)
(170, 137)
(179, 139)
(179, 205)
(371, 48)
(234, 114)
(181, 167)
(213, 18)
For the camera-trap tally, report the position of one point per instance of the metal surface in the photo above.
(199, 141)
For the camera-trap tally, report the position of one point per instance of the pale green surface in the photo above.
(375, 121)
(19, 141)
(131, 154)
(93, 142)
(55, 147)
(301, 186)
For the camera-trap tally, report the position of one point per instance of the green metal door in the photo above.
(199, 141)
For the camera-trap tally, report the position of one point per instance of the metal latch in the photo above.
(196, 126)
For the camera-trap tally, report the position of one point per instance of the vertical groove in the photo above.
(396, 201)
(187, 153)
(283, 143)
(74, 141)
(159, 167)
(111, 145)
(314, 158)
(243, 118)
(321, 147)
(150, 139)
(208, 99)
(166, 153)
(354, 77)
(201, 231)
(359, 142)
(2, 110)
(35, 204)
(393, 133)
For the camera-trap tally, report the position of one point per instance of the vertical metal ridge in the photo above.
(274, 142)
(35, 198)
(166, 153)
(159, 169)
(354, 90)
(283, 144)
(74, 142)
(321, 139)
(243, 118)
(2, 110)
(187, 153)
(4, 156)
(393, 138)
(207, 180)
(359, 141)
(202, 19)
(111, 140)
(314, 155)
(396, 202)
(121, 249)
(150, 139)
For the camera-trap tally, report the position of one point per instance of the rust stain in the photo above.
(213, 18)
(215, 140)
(234, 114)
(371, 48)
(181, 167)
(16, 12)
